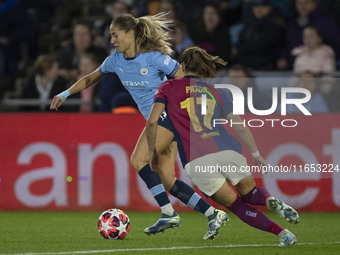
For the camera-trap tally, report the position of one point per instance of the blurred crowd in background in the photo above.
(47, 45)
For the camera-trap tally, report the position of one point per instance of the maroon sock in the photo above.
(257, 196)
(254, 217)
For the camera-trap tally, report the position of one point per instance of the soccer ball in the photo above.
(113, 224)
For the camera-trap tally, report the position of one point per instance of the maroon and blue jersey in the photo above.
(195, 132)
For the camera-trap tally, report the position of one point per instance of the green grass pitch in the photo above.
(62, 233)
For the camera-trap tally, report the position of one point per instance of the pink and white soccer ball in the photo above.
(113, 224)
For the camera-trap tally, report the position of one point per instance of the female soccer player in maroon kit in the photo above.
(202, 145)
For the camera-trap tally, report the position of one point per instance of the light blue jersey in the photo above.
(141, 75)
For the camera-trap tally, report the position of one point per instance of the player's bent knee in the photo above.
(230, 199)
(245, 185)
(225, 195)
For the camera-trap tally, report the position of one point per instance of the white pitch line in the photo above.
(164, 248)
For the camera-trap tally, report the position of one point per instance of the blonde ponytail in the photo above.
(151, 32)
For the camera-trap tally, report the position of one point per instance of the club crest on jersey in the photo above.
(144, 71)
(205, 136)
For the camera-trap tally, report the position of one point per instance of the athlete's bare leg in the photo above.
(225, 195)
(167, 150)
(245, 185)
(154, 181)
(167, 155)
(167, 161)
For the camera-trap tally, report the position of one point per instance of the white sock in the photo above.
(167, 209)
(210, 211)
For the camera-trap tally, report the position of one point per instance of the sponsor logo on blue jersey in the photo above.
(135, 83)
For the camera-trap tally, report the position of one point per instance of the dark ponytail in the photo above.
(197, 60)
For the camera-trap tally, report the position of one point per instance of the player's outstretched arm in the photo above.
(247, 137)
(80, 85)
(151, 133)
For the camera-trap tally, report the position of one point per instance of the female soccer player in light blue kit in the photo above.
(141, 61)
